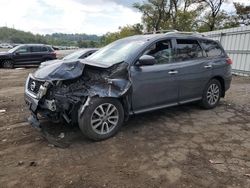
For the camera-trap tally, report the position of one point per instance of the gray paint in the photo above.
(236, 42)
(142, 88)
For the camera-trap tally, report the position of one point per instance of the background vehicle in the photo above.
(130, 76)
(26, 54)
(79, 54)
(4, 45)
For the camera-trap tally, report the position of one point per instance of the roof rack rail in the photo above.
(186, 33)
(174, 32)
(159, 32)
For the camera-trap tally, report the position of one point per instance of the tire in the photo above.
(47, 59)
(8, 64)
(211, 94)
(97, 127)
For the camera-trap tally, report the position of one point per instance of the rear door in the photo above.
(194, 69)
(155, 86)
(36, 54)
(217, 58)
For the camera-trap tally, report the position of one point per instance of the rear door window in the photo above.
(188, 50)
(35, 49)
(212, 48)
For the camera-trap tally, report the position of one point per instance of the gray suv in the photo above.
(129, 76)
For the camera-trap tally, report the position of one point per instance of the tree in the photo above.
(243, 13)
(168, 14)
(211, 17)
(125, 31)
(154, 13)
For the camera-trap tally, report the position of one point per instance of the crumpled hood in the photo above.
(64, 70)
(46, 63)
(60, 71)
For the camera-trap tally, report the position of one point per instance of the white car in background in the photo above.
(79, 54)
(4, 45)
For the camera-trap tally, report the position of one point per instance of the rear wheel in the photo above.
(211, 94)
(8, 64)
(102, 119)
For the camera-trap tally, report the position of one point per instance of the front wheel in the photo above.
(102, 119)
(211, 95)
(8, 64)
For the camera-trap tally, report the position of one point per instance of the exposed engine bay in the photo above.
(64, 94)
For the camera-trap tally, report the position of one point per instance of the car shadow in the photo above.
(63, 135)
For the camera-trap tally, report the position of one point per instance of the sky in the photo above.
(71, 16)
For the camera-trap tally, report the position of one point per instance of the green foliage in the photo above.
(87, 44)
(16, 36)
(58, 39)
(182, 15)
(187, 15)
(125, 31)
(243, 13)
(168, 14)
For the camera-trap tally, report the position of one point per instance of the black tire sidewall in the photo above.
(204, 101)
(84, 119)
(11, 64)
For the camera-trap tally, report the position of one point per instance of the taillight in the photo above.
(229, 61)
(54, 53)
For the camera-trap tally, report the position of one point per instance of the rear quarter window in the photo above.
(212, 48)
(44, 49)
(50, 49)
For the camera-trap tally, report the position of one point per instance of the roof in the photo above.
(187, 35)
(33, 45)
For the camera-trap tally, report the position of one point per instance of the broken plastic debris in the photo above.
(19, 68)
(20, 163)
(61, 135)
(2, 111)
(248, 175)
(37, 138)
(4, 140)
(215, 161)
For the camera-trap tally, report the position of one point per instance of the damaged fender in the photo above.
(73, 84)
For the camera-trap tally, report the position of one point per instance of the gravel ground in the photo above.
(182, 146)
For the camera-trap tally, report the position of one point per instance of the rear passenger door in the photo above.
(36, 54)
(217, 57)
(194, 70)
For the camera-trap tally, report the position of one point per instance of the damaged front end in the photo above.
(61, 91)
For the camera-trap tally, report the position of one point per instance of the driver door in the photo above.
(22, 55)
(155, 86)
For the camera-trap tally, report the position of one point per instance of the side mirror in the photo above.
(146, 60)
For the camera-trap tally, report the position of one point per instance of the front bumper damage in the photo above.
(65, 100)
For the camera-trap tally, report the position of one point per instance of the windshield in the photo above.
(116, 52)
(74, 55)
(14, 49)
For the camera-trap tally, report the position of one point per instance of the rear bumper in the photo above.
(228, 83)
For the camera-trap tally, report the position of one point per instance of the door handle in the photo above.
(208, 66)
(173, 72)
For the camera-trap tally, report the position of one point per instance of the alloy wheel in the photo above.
(8, 64)
(104, 118)
(213, 94)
